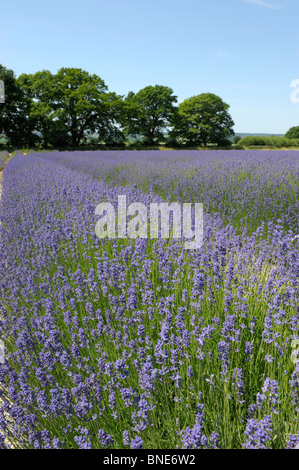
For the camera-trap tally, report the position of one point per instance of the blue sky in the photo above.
(245, 51)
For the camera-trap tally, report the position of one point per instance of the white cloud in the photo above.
(269, 4)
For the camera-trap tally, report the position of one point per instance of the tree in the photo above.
(39, 90)
(293, 133)
(203, 119)
(78, 101)
(70, 105)
(236, 139)
(148, 112)
(15, 124)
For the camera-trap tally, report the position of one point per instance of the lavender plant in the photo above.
(140, 343)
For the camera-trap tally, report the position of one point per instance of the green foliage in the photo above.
(202, 120)
(265, 141)
(293, 133)
(73, 108)
(148, 112)
(39, 89)
(238, 147)
(68, 107)
(236, 139)
(15, 124)
(252, 140)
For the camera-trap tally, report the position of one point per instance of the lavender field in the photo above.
(140, 343)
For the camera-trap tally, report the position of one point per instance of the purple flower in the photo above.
(248, 350)
(104, 438)
(271, 390)
(293, 442)
(215, 440)
(83, 442)
(136, 443)
(126, 438)
(238, 384)
(164, 334)
(259, 433)
(192, 438)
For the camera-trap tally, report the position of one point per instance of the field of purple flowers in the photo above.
(246, 189)
(140, 343)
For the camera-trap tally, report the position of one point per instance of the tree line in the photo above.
(73, 108)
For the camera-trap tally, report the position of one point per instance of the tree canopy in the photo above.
(203, 119)
(292, 133)
(70, 105)
(148, 112)
(14, 120)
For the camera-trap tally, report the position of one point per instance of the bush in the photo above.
(238, 147)
(252, 140)
(265, 141)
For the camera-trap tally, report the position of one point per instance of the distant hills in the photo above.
(244, 134)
